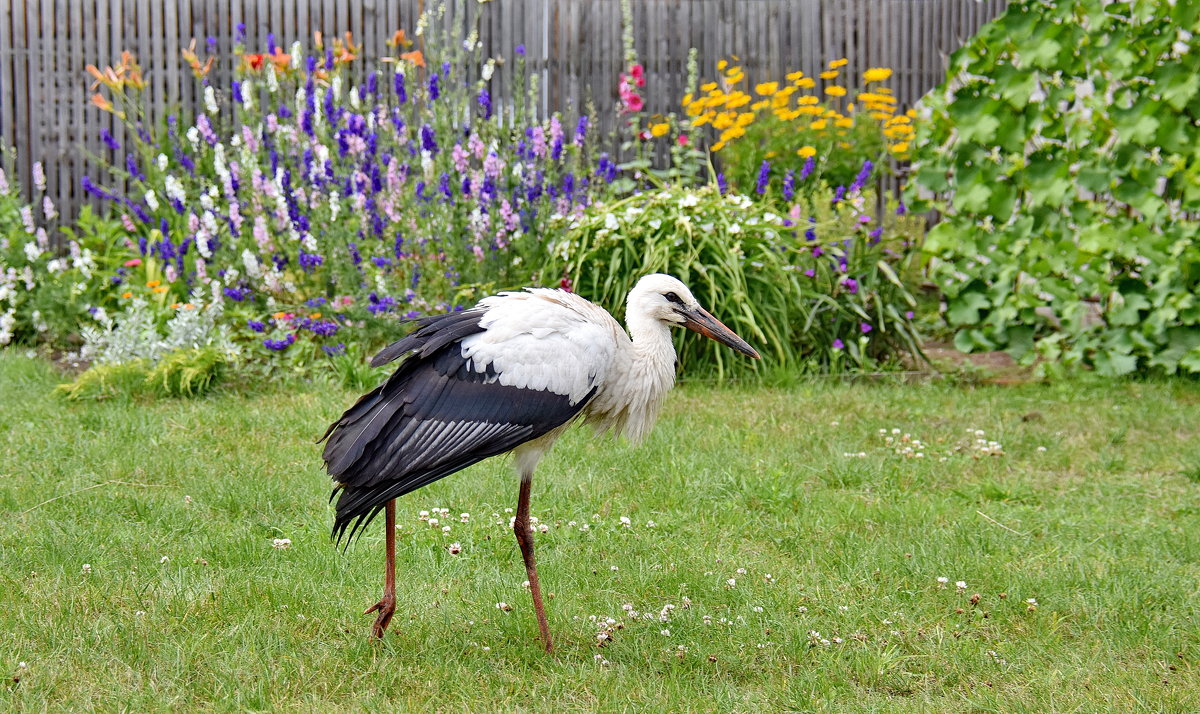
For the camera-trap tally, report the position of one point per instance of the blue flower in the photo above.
(809, 164)
(485, 101)
(520, 50)
(279, 345)
(255, 325)
(861, 179)
(789, 185)
(236, 92)
(398, 86)
(722, 184)
(434, 91)
(334, 350)
(372, 82)
(428, 139)
(309, 261)
(839, 194)
(109, 140)
(764, 178)
(235, 294)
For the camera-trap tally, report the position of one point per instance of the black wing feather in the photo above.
(437, 414)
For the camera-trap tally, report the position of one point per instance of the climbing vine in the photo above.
(1063, 152)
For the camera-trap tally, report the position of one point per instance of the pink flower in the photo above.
(639, 75)
(133, 262)
(633, 103)
(682, 140)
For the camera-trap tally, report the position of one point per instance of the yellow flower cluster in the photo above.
(731, 110)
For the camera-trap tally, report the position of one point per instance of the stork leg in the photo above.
(387, 605)
(525, 541)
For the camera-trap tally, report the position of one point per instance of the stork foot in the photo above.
(386, 607)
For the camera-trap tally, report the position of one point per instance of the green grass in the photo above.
(189, 607)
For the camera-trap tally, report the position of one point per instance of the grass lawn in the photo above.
(763, 516)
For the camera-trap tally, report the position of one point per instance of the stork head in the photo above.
(666, 299)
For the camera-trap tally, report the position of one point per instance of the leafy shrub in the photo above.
(806, 303)
(1063, 154)
(47, 290)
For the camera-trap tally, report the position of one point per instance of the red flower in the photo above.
(255, 61)
(565, 284)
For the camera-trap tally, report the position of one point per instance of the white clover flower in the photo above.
(281, 543)
(87, 569)
(961, 585)
(503, 607)
(164, 559)
(731, 582)
(455, 548)
(665, 632)
(626, 522)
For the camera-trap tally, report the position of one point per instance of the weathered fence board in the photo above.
(573, 46)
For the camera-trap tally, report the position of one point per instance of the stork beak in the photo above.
(699, 320)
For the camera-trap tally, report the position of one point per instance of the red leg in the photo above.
(525, 541)
(387, 605)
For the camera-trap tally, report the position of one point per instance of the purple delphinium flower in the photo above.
(328, 58)
(485, 102)
(901, 209)
(380, 262)
(520, 50)
(838, 344)
(377, 304)
(240, 37)
(372, 82)
(316, 302)
(581, 130)
(270, 42)
(334, 350)
(279, 345)
(131, 165)
(863, 174)
(851, 285)
(866, 327)
(236, 294)
(399, 88)
(236, 92)
(109, 140)
(428, 139)
(764, 178)
(839, 194)
(212, 43)
(789, 185)
(434, 90)
(875, 235)
(809, 165)
(309, 261)
(722, 184)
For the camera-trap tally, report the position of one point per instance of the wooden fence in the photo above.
(574, 46)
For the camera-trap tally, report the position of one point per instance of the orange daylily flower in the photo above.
(254, 61)
(399, 40)
(194, 61)
(416, 57)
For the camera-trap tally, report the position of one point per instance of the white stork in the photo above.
(509, 374)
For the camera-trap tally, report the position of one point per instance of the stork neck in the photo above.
(651, 339)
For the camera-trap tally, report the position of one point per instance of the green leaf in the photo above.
(964, 310)
(972, 198)
(981, 130)
(1114, 364)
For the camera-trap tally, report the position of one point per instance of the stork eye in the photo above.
(672, 297)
